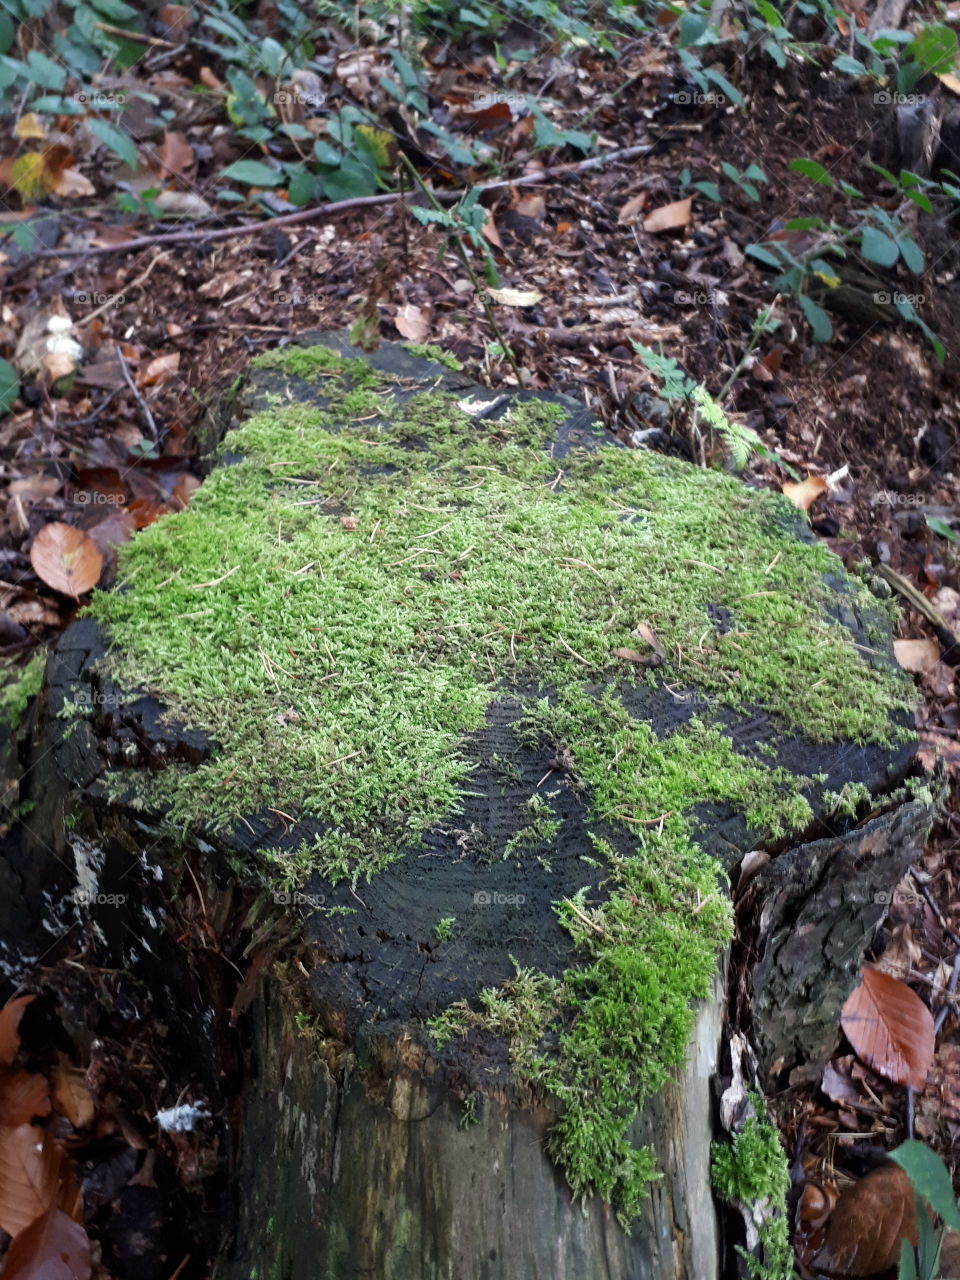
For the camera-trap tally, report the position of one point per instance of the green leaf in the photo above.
(253, 172)
(754, 173)
(691, 28)
(327, 154)
(852, 66)
(349, 181)
(7, 31)
(9, 386)
(763, 255)
(817, 318)
(709, 189)
(724, 85)
(813, 170)
(935, 48)
(301, 187)
(39, 70)
(119, 143)
(115, 10)
(878, 247)
(804, 224)
(912, 254)
(930, 1178)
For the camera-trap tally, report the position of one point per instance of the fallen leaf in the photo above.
(29, 126)
(411, 323)
(633, 208)
(489, 230)
(937, 746)
(53, 1247)
(24, 1095)
(10, 1016)
(70, 184)
(890, 1028)
(160, 369)
(186, 486)
(176, 154)
(804, 494)
(867, 1224)
(497, 116)
(71, 1097)
(145, 512)
(648, 634)
(670, 217)
(949, 80)
(66, 559)
(112, 531)
(919, 657)
(29, 1175)
(182, 204)
(532, 206)
(516, 297)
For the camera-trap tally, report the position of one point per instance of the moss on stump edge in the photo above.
(375, 566)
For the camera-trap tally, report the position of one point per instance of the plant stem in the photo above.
(464, 258)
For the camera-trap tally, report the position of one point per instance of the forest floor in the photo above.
(108, 441)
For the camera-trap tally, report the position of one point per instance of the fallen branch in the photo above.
(340, 206)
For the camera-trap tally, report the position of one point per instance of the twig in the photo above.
(947, 637)
(142, 404)
(137, 36)
(342, 206)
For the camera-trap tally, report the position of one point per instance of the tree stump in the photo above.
(484, 707)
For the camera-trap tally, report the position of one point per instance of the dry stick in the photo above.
(340, 206)
(945, 633)
(144, 407)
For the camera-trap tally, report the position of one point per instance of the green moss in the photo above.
(339, 610)
(430, 351)
(18, 686)
(753, 1170)
(313, 363)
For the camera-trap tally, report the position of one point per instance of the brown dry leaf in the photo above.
(113, 531)
(630, 655)
(176, 19)
(411, 323)
(186, 486)
(837, 1085)
(145, 512)
(27, 608)
(497, 116)
(532, 206)
(867, 1224)
(35, 488)
(648, 634)
(70, 184)
(182, 204)
(670, 217)
(53, 1247)
(890, 1028)
(176, 154)
(71, 1097)
(633, 208)
(949, 81)
(489, 231)
(160, 369)
(804, 494)
(58, 364)
(66, 559)
(515, 297)
(934, 746)
(29, 1175)
(919, 657)
(10, 1016)
(209, 78)
(24, 1095)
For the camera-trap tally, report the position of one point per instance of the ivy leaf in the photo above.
(930, 1179)
(119, 143)
(878, 247)
(813, 170)
(912, 254)
(817, 318)
(9, 386)
(252, 172)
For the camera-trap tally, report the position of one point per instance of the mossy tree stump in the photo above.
(493, 705)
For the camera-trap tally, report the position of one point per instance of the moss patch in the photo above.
(753, 1170)
(18, 686)
(338, 610)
